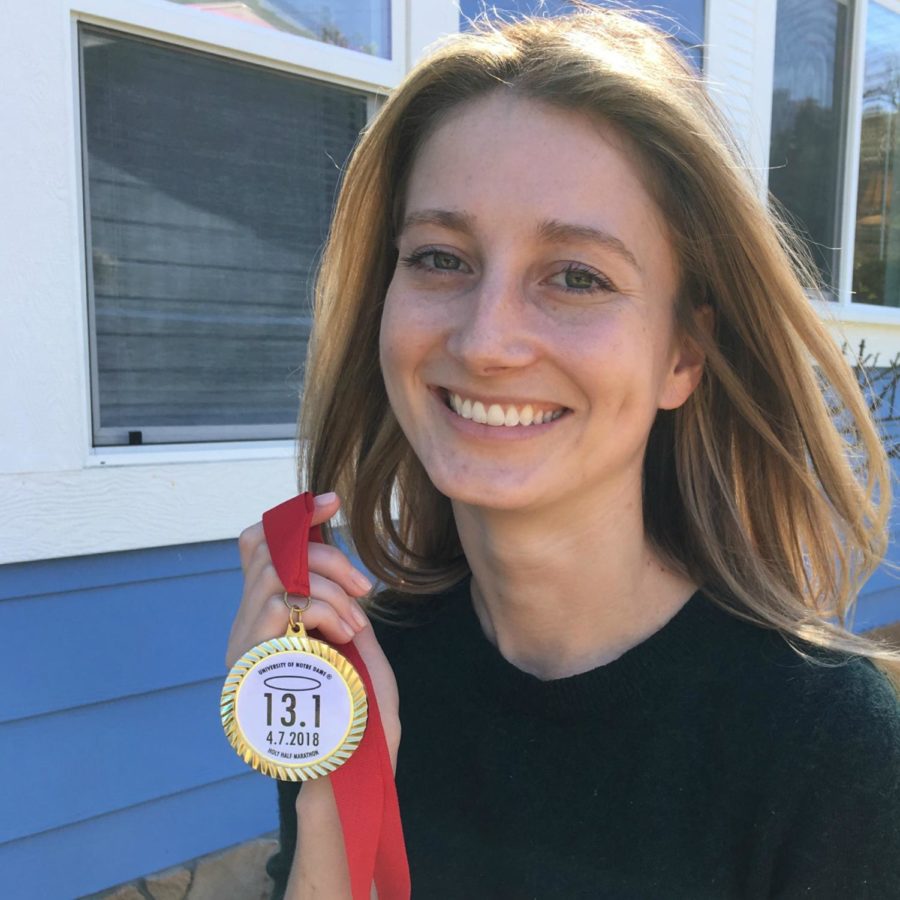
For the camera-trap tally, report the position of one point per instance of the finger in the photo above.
(346, 607)
(319, 615)
(326, 506)
(258, 568)
(267, 584)
(248, 540)
(257, 590)
(272, 620)
(334, 564)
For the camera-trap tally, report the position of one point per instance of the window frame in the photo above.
(109, 436)
(849, 309)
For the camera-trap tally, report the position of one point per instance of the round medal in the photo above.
(293, 707)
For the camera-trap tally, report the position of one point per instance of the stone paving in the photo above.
(238, 873)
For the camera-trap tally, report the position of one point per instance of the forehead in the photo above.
(511, 160)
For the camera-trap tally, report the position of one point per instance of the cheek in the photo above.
(621, 366)
(394, 326)
(401, 346)
(409, 329)
(387, 337)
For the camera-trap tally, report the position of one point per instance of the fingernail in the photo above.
(359, 617)
(361, 581)
(326, 499)
(347, 629)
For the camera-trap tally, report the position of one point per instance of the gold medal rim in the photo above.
(301, 771)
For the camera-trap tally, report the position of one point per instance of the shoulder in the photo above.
(837, 776)
(824, 701)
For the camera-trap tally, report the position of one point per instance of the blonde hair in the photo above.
(754, 488)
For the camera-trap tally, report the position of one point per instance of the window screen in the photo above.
(209, 186)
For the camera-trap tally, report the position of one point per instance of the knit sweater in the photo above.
(709, 761)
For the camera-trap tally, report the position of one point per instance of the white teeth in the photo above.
(495, 415)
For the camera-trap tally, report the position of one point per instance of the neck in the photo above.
(568, 589)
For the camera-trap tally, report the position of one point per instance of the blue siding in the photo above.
(879, 600)
(106, 850)
(113, 763)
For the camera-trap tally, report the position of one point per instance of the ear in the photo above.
(688, 360)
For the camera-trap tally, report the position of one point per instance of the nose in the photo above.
(493, 331)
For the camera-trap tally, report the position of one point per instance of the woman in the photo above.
(558, 330)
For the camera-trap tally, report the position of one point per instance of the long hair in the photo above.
(769, 486)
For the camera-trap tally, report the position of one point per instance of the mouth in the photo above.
(500, 415)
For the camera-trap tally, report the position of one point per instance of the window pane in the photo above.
(363, 25)
(683, 18)
(209, 188)
(876, 259)
(808, 114)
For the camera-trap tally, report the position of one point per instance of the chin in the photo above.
(486, 492)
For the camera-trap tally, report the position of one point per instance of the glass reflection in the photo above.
(876, 260)
(684, 19)
(362, 25)
(808, 114)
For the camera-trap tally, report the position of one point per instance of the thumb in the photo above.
(326, 506)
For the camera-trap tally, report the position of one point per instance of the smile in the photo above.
(500, 415)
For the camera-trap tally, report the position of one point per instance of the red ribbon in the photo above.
(364, 788)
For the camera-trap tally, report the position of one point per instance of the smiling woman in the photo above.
(558, 334)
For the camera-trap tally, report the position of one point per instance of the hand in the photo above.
(335, 586)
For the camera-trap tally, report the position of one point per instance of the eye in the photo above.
(578, 278)
(431, 259)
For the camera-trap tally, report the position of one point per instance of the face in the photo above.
(528, 334)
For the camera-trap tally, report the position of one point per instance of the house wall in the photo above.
(113, 762)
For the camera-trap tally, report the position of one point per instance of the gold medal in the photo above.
(293, 707)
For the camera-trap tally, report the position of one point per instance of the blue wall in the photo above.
(113, 763)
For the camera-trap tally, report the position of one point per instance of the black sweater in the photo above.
(709, 761)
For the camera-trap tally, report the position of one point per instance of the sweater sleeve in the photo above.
(844, 839)
(279, 865)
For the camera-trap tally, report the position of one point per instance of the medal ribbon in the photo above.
(364, 788)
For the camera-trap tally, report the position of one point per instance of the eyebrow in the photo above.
(551, 230)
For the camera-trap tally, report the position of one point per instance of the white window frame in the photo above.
(59, 496)
(847, 310)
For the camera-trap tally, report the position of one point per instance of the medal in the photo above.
(293, 707)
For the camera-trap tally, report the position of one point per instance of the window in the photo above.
(876, 261)
(808, 116)
(683, 18)
(209, 185)
(834, 140)
(364, 27)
